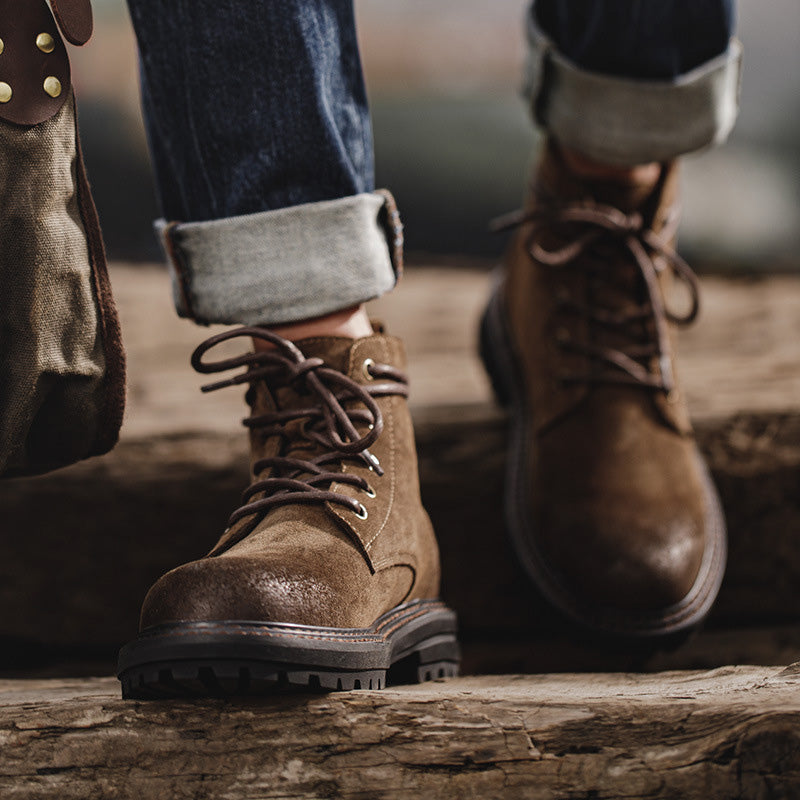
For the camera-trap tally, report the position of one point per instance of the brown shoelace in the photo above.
(651, 253)
(337, 404)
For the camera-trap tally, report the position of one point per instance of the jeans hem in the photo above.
(623, 121)
(285, 265)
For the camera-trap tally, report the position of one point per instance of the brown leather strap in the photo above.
(75, 19)
(34, 66)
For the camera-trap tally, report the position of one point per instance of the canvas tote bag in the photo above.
(62, 366)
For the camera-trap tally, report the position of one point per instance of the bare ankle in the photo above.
(352, 323)
(585, 167)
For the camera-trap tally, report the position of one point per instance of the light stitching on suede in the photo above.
(392, 475)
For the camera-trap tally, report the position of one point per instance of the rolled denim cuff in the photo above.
(626, 122)
(285, 265)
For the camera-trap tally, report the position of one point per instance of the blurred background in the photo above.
(453, 138)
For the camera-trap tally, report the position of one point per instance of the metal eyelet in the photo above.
(370, 492)
(362, 512)
(365, 367)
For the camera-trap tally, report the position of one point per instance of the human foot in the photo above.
(352, 323)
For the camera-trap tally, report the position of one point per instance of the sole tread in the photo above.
(229, 679)
(226, 659)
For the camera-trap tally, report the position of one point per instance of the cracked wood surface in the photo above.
(728, 733)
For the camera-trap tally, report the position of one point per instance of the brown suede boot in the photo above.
(328, 573)
(608, 502)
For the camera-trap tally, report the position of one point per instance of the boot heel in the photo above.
(437, 657)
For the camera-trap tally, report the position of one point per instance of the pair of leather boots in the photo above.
(328, 574)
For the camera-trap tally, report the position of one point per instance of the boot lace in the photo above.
(336, 405)
(651, 253)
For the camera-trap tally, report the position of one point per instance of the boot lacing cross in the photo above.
(651, 253)
(329, 421)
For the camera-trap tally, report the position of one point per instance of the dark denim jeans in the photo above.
(254, 105)
(643, 39)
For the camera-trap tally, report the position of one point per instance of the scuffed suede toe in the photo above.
(328, 537)
(251, 588)
(657, 573)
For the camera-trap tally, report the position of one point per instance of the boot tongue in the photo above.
(627, 197)
(556, 180)
(335, 352)
(614, 282)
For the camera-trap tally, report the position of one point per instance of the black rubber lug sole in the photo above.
(410, 644)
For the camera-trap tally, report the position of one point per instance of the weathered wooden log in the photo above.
(733, 732)
(81, 546)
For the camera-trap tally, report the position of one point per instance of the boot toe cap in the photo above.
(242, 588)
(628, 564)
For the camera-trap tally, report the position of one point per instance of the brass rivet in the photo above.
(5, 92)
(2, 46)
(45, 42)
(52, 86)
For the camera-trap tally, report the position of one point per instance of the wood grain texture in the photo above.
(733, 732)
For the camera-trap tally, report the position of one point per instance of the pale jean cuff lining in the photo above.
(627, 122)
(282, 266)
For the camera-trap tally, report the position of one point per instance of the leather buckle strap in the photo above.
(75, 19)
(35, 75)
